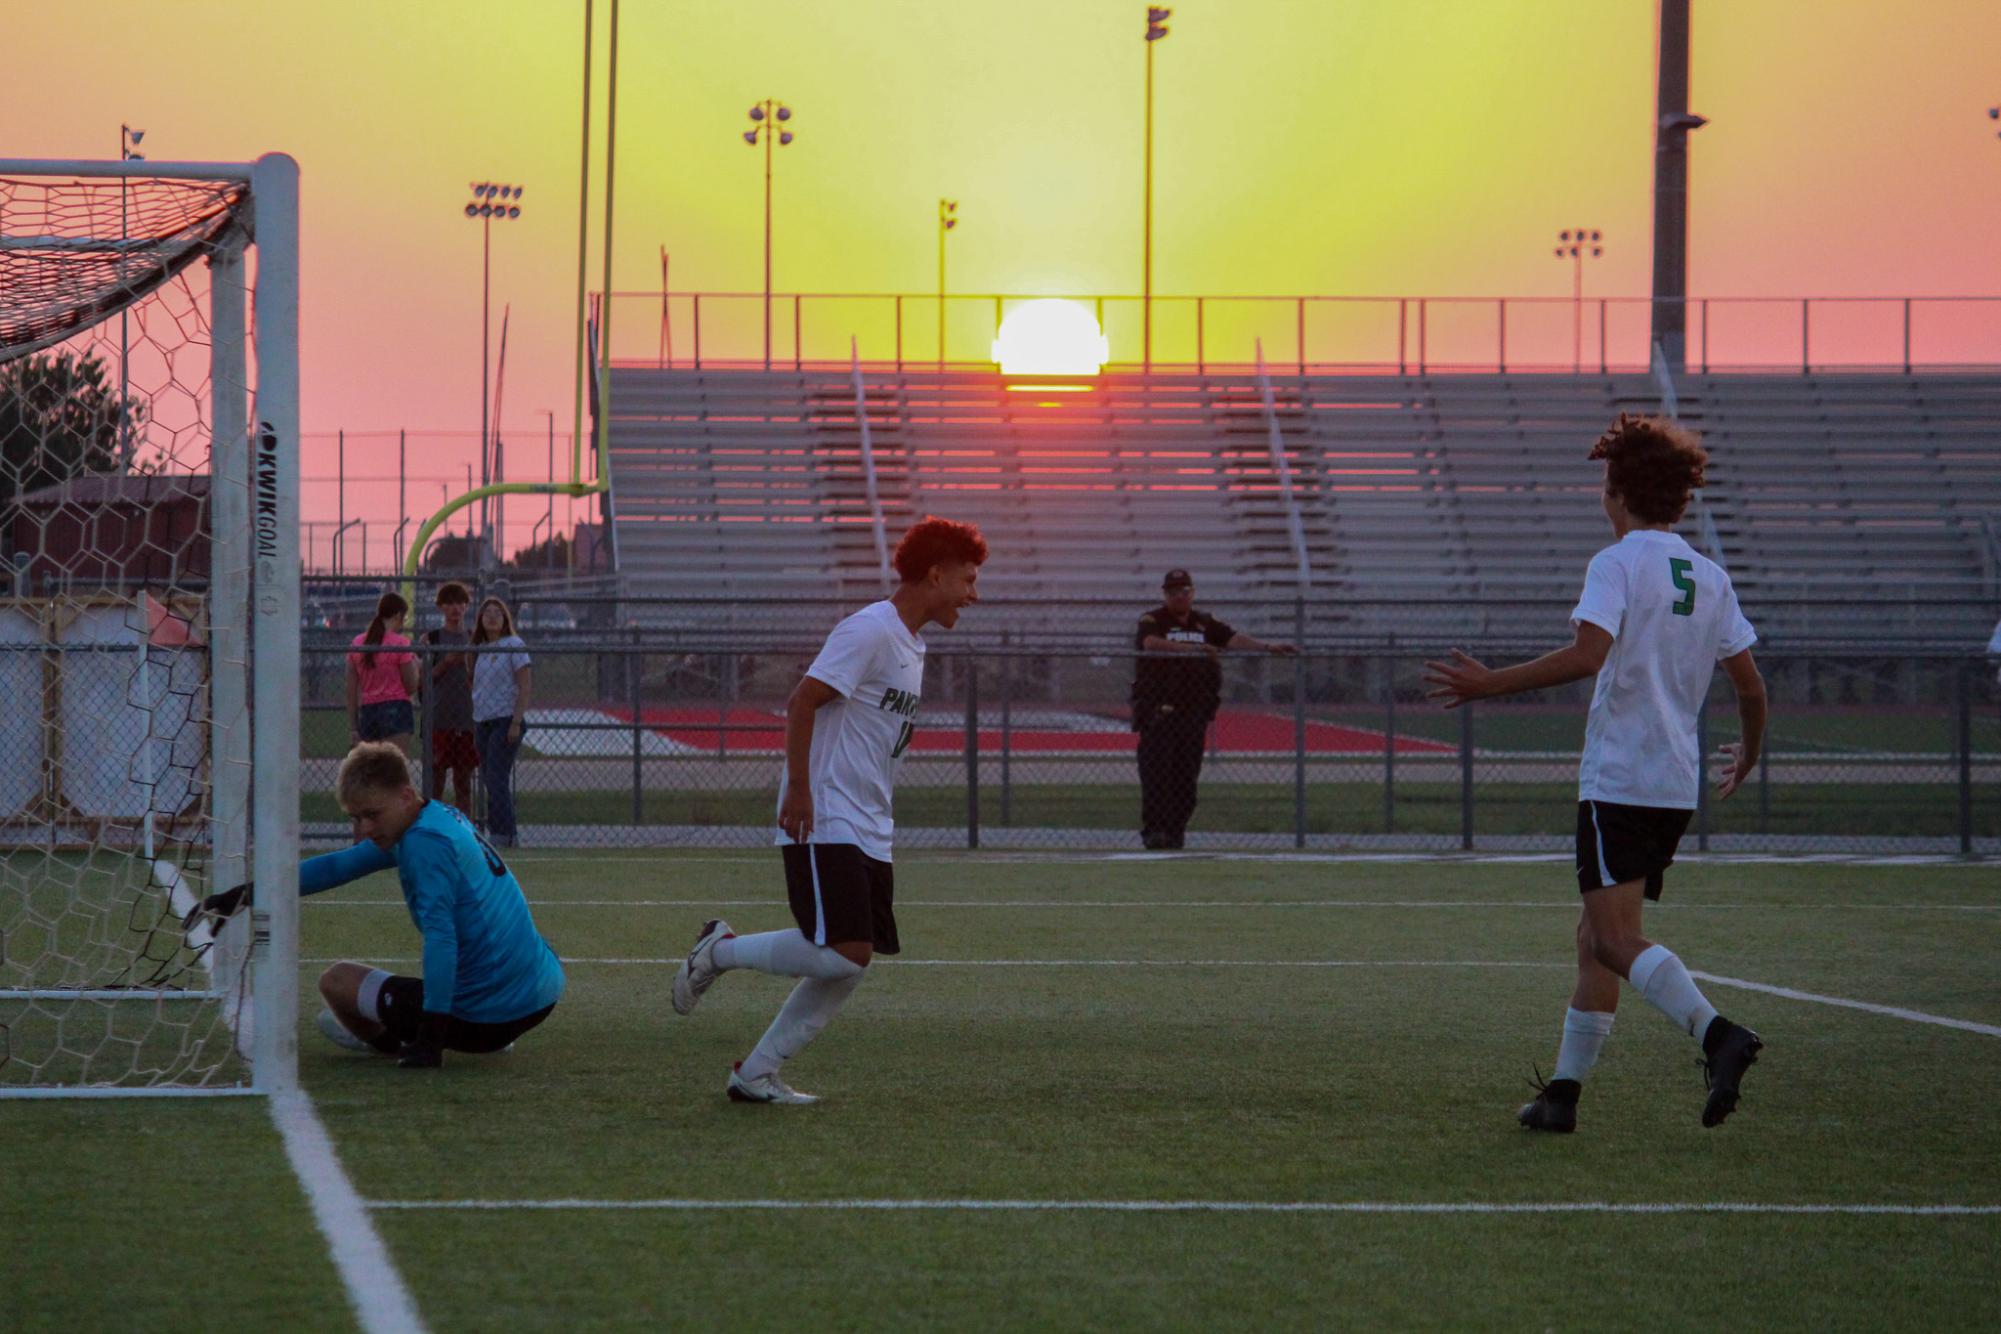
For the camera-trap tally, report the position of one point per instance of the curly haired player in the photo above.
(1654, 619)
(846, 728)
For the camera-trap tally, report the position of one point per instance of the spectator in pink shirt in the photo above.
(380, 684)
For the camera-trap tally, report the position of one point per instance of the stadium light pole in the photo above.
(765, 118)
(489, 201)
(1156, 28)
(948, 210)
(129, 140)
(1573, 243)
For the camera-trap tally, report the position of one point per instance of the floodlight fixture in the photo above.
(764, 117)
(486, 207)
(1576, 242)
(1156, 22)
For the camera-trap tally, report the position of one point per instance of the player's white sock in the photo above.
(1584, 1034)
(785, 953)
(1660, 977)
(805, 1012)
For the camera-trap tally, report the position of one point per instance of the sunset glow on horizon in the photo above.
(1430, 148)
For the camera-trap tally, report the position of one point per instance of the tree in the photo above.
(452, 553)
(551, 553)
(58, 418)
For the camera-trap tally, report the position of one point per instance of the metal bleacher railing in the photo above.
(1303, 334)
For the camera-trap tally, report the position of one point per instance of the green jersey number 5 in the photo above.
(1678, 569)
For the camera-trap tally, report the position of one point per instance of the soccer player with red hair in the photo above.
(846, 728)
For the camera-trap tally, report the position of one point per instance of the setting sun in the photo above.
(1051, 337)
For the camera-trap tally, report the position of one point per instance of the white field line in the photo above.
(668, 857)
(1207, 1206)
(1893, 1011)
(675, 962)
(382, 1305)
(1569, 907)
(1812, 997)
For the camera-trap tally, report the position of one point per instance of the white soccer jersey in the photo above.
(877, 665)
(1673, 616)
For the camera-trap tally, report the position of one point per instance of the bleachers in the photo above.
(750, 484)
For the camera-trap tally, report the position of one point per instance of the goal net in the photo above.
(148, 626)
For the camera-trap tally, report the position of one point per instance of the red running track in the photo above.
(1236, 731)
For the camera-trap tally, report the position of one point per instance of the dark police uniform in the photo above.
(1174, 698)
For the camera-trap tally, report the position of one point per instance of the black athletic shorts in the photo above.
(840, 895)
(401, 1008)
(1617, 843)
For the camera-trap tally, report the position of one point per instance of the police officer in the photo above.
(1177, 684)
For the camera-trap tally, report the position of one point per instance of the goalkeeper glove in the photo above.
(426, 1051)
(221, 906)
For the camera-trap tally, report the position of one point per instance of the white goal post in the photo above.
(149, 626)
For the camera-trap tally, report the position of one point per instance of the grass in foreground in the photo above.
(1392, 1080)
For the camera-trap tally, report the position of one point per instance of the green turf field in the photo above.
(1264, 1032)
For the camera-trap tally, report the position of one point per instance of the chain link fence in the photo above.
(632, 742)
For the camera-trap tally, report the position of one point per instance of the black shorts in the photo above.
(401, 1009)
(380, 721)
(841, 895)
(1617, 843)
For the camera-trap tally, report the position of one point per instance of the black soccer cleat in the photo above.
(1554, 1108)
(1734, 1051)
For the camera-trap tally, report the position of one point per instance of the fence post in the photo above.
(1422, 303)
(899, 333)
(1299, 329)
(1502, 306)
(1702, 775)
(1965, 758)
(1403, 321)
(425, 656)
(1298, 723)
(1765, 786)
(1466, 777)
(632, 672)
(1007, 733)
(698, 330)
(1907, 335)
(1806, 335)
(1390, 741)
(972, 752)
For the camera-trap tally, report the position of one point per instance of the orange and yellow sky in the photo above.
(1419, 147)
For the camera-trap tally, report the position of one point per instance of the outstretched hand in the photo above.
(1459, 681)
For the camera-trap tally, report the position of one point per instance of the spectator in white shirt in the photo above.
(502, 681)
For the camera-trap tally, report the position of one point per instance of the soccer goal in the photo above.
(149, 626)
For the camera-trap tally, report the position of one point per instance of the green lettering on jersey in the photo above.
(1678, 570)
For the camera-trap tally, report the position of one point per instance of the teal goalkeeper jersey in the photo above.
(483, 959)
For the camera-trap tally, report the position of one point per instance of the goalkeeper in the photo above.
(488, 976)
